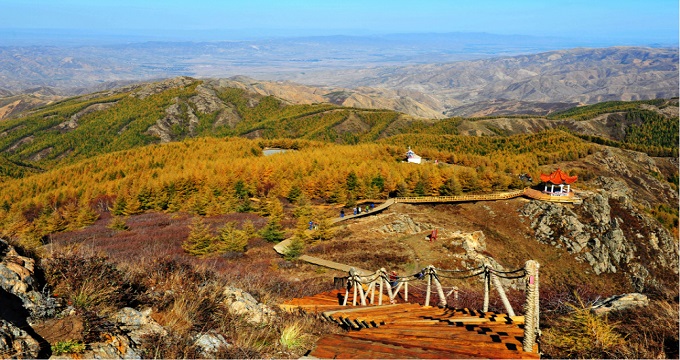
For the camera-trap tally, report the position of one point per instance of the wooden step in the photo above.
(333, 346)
(469, 347)
(410, 330)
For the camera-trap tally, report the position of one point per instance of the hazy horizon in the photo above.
(75, 22)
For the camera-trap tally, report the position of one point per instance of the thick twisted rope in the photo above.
(531, 306)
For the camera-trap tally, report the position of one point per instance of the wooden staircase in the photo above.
(410, 330)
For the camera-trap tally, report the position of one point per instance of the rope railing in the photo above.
(384, 284)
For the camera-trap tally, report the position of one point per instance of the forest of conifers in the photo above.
(54, 179)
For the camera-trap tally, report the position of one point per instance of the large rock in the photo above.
(619, 302)
(17, 279)
(241, 303)
(475, 253)
(138, 324)
(402, 224)
(209, 344)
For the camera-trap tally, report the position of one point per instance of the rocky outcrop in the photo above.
(402, 224)
(619, 302)
(132, 327)
(241, 303)
(206, 101)
(474, 251)
(18, 282)
(179, 121)
(608, 233)
(20, 304)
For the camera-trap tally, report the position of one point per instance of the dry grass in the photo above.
(582, 334)
(187, 301)
(90, 283)
(652, 331)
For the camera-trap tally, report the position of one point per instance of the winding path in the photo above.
(282, 247)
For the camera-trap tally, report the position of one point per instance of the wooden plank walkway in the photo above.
(399, 331)
(377, 209)
(282, 246)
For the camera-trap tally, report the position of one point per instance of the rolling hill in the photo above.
(145, 174)
(175, 109)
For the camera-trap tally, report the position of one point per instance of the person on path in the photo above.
(342, 213)
(433, 235)
(355, 210)
(393, 279)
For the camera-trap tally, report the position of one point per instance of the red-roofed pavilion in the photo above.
(558, 177)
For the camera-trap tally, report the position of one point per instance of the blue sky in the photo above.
(646, 21)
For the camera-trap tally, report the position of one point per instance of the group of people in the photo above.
(358, 210)
(313, 225)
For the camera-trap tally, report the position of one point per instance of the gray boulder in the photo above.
(241, 303)
(619, 302)
(209, 344)
(138, 324)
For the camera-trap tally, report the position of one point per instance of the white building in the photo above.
(412, 157)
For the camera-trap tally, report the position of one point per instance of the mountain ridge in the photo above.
(538, 83)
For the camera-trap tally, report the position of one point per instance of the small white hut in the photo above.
(412, 157)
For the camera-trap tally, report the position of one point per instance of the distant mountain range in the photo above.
(536, 84)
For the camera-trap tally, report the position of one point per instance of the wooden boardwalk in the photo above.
(410, 330)
(281, 247)
(399, 331)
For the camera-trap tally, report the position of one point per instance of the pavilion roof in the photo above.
(559, 177)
